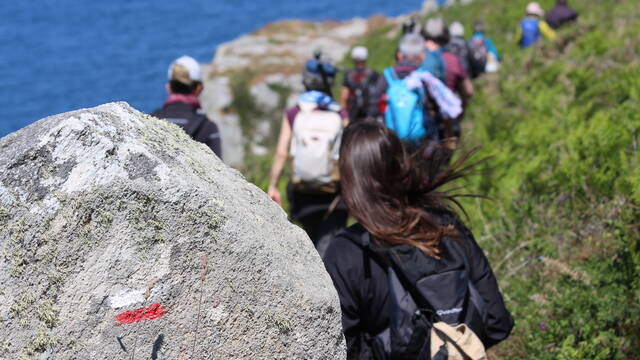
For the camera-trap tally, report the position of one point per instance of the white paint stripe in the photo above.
(126, 298)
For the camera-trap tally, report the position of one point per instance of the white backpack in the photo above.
(315, 149)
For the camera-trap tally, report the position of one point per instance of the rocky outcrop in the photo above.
(122, 238)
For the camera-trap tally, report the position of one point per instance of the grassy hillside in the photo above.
(561, 122)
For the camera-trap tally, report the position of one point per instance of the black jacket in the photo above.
(193, 122)
(360, 277)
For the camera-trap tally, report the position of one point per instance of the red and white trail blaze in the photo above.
(153, 311)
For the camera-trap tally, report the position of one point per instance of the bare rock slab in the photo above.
(121, 238)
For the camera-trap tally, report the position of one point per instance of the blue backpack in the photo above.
(405, 108)
(530, 32)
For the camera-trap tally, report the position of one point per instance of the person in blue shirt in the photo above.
(484, 54)
(436, 34)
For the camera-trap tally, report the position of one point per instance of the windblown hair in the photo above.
(395, 192)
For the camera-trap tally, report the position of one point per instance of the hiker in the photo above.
(310, 132)
(182, 107)
(405, 105)
(532, 26)
(458, 45)
(407, 234)
(442, 62)
(458, 80)
(436, 35)
(561, 14)
(484, 55)
(412, 99)
(355, 94)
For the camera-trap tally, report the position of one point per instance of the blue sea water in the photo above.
(61, 55)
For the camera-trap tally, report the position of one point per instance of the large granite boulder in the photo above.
(121, 238)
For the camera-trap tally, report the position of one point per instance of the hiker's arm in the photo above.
(280, 158)
(344, 97)
(464, 84)
(547, 31)
(467, 88)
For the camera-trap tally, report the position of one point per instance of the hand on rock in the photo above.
(274, 194)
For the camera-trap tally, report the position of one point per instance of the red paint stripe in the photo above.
(153, 311)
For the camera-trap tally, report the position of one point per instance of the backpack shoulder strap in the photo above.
(361, 237)
(390, 75)
(358, 235)
(194, 124)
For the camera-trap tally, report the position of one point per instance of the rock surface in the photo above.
(107, 210)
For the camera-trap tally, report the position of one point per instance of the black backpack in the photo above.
(458, 46)
(360, 102)
(422, 291)
(479, 55)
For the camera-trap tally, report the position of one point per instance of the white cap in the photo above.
(185, 69)
(359, 53)
(456, 29)
(534, 8)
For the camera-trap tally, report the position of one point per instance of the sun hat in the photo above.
(534, 8)
(185, 69)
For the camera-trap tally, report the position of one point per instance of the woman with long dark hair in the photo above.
(396, 197)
